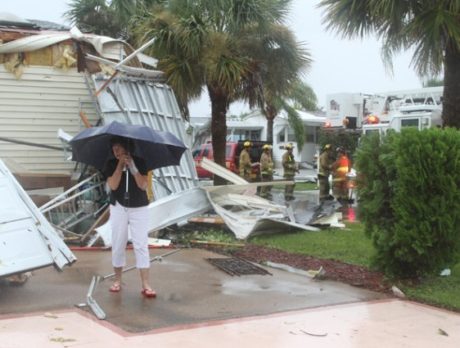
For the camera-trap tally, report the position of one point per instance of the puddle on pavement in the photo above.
(244, 285)
(177, 266)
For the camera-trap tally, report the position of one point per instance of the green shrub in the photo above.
(409, 192)
(345, 138)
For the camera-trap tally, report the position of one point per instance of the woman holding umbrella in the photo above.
(128, 207)
(124, 153)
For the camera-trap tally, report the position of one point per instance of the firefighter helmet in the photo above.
(266, 147)
(289, 146)
(327, 147)
(247, 144)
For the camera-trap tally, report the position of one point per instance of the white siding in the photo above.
(34, 107)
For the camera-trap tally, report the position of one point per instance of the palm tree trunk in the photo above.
(270, 121)
(451, 96)
(219, 108)
(270, 130)
(270, 114)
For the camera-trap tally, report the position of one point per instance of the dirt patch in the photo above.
(335, 270)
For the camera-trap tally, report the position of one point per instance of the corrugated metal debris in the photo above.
(247, 214)
(27, 240)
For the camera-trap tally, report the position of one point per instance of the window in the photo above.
(334, 105)
(410, 123)
(244, 134)
(371, 131)
(311, 134)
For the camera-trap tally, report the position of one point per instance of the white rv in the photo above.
(416, 108)
(357, 108)
(420, 120)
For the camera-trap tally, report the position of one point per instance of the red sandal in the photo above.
(149, 293)
(116, 287)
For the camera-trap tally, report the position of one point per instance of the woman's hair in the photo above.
(127, 144)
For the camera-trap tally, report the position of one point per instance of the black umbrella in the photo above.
(157, 148)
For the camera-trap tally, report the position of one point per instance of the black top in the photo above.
(135, 197)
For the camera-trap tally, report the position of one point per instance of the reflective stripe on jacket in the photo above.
(289, 164)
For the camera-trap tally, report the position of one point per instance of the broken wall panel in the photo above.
(150, 103)
(27, 240)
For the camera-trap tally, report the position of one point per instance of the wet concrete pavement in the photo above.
(201, 306)
(190, 291)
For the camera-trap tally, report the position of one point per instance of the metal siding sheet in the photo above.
(34, 107)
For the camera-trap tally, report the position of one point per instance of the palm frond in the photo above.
(295, 122)
(349, 18)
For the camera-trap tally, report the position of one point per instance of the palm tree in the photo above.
(300, 96)
(281, 61)
(93, 16)
(110, 18)
(432, 27)
(204, 43)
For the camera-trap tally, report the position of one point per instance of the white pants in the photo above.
(137, 219)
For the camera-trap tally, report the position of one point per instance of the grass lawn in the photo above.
(300, 186)
(348, 245)
(352, 246)
(437, 290)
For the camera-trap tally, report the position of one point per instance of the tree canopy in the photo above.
(227, 47)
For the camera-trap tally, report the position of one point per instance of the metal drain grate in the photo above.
(235, 266)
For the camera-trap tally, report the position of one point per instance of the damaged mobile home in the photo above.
(56, 82)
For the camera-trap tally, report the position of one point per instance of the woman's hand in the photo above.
(131, 166)
(124, 161)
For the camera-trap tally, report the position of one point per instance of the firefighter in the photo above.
(245, 164)
(290, 168)
(266, 171)
(324, 170)
(341, 168)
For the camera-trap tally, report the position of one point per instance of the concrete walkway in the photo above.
(190, 290)
(390, 323)
(199, 305)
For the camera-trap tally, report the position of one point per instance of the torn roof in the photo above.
(49, 25)
(10, 20)
(29, 38)
(104, 45)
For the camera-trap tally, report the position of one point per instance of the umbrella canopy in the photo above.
(157, 148)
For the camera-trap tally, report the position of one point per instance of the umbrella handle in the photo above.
(126, 184)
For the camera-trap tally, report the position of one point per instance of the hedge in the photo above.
(409, 199)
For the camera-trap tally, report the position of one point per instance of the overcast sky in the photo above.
(340, 65)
